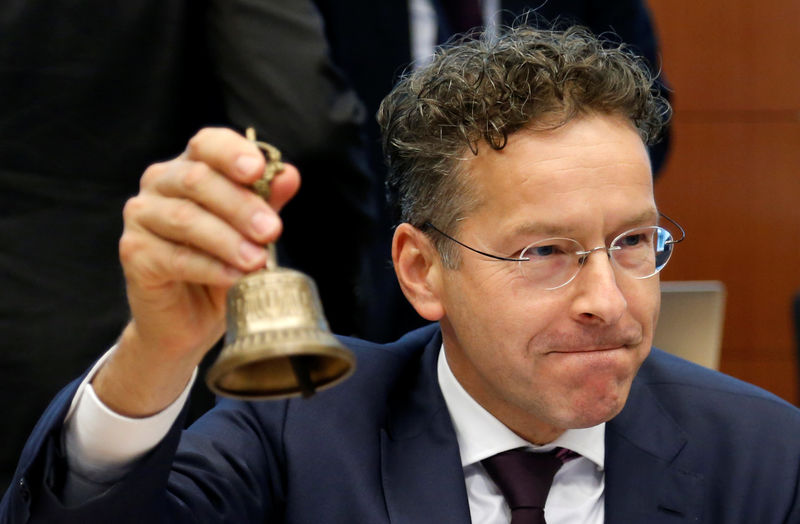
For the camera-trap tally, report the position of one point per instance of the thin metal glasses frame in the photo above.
(584, 253)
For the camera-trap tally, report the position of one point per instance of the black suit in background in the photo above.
(370, 42)
(93, 91)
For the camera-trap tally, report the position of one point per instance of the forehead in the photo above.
(593, 167)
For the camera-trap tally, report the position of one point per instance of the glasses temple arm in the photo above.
(496, 257)
(680, 228)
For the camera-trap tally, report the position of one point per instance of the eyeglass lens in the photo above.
(554, 262)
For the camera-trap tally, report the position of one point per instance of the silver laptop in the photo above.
(691, 321)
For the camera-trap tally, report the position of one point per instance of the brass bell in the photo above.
(278, 343)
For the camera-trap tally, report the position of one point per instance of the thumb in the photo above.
(284, 187)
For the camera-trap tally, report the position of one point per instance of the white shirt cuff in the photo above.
(101, 445)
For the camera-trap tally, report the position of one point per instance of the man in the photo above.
(530, 234)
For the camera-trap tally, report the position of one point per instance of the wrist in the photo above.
(139, 380)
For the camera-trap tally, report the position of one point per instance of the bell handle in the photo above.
(262, 186)
(272, 257)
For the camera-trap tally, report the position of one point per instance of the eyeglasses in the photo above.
(552, 263)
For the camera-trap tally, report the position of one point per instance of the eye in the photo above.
(543, 251)
(632, 240)
(636, 239)
(550, 249)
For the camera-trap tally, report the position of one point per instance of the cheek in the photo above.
(644, 304)
(517, 316)
(504, 313)
(657, 310)
(482, 292)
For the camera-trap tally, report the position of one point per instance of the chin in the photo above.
(585, 420)
(595, 407)
(598, 416)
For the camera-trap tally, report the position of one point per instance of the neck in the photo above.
(520, 421)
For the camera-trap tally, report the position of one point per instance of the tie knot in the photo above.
(525, 477)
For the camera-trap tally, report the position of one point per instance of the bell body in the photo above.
(277, 343)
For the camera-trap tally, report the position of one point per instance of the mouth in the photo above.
(590, 349)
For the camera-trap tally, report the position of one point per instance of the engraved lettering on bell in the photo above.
(289, 301)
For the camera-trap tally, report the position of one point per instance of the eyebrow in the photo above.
(649, 216)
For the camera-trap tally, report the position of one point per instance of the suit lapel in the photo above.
(423, 480)
(643, 482)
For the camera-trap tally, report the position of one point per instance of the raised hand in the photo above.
(192, 230)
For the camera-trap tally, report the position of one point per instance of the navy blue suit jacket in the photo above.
(691, 445)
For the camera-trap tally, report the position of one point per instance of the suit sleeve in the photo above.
(226, 468)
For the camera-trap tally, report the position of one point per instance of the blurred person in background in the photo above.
(93, 92)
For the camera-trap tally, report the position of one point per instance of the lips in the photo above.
(592, 344)
(590, 349)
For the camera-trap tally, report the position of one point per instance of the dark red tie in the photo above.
(524, 478)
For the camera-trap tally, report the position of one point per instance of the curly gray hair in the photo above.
(481, 90)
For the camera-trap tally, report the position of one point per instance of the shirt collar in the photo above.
(480, 435)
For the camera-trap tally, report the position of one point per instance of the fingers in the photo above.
(185, 223)
(187, 181)
(195, 220)
(200, 175)
(151, 262)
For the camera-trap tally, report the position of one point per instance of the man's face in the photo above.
(545, 360)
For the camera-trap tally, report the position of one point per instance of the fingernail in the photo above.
(250, 252)
(248, 165)
(264, 223)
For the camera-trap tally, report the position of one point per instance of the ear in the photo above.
(419, 270)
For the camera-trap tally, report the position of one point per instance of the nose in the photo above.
(599, 300)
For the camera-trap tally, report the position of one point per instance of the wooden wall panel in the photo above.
(733, 176)
(736, 189)
(731, 55)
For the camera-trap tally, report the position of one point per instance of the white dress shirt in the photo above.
(577, 491)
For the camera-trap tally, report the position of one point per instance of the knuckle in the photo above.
(152, 174)
(201, 137)
(196, 141)
(230, 134)
(179, 261)
(132, 208)
(129, 246)
(194, 177)
(181, 215)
